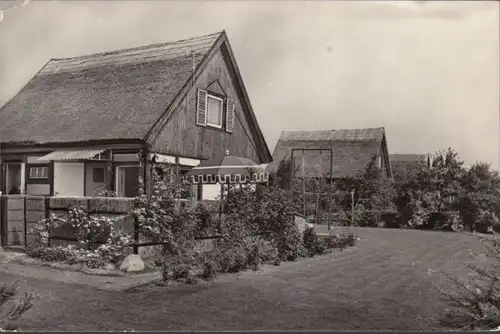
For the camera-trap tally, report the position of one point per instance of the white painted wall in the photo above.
(68, 178)
(210, 191)
(189, 162)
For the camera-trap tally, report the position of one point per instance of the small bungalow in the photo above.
(87, 125)
(332, 153)
(401, 162)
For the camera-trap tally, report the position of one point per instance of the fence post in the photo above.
(3, 221)
(47, 216)
(25, 224)
(136, 236)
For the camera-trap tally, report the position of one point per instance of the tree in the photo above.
(428, 192)
(12, 312)
(479, 204)
(374, 195)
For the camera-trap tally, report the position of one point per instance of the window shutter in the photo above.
(230, 106)
(201, 110)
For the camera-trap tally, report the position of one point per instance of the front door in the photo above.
(69, 178)
(14, 178)
(127, 181)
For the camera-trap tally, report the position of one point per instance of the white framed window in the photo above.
(39, 173)
(127, 180)
(215, 107)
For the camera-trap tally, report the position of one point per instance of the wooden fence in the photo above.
(19, 213)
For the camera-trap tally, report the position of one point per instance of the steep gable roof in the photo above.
(352, 149)
(400, 162)
(123, 94)
(112, 95)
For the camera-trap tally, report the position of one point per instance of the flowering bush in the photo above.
(100, 241)
(266, 212)
(161, 219)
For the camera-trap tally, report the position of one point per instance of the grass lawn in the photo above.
(386, 282)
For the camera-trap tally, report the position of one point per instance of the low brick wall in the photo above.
(103, 206)
(22, 212)
(15, 215)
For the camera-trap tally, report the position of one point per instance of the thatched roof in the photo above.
(400, 162)
(112, 95)
(352, 150)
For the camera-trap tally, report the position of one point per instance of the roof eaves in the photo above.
(255, 125)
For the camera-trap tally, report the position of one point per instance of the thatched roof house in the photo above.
(400, 162)
(93, 122)
(350, 150)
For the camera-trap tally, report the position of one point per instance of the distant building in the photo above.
(401, 162)
(348, 152)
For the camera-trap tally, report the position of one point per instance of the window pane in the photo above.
(214, 111)
(128, 181)
(98, 174)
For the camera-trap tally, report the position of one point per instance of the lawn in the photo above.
(387, 282)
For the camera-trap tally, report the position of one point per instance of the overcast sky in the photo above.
(426, 71)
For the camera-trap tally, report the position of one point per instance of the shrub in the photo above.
(181, 271)
(310, 240)
(160, 219)
(12, 312)
(100, 241)
(231, 257)
(313, 244)
(341, 241)
(475, 304)
(210, 268)
(266, 211)
(68, 254)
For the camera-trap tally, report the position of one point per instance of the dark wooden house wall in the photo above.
(384, 154)
(181, 136)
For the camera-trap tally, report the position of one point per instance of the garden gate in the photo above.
(311, 181)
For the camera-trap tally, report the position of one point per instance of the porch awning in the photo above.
(71, 155)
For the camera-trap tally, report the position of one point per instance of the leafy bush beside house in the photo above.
(258, 227)
(99, 239)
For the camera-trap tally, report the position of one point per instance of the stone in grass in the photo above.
(132, 263)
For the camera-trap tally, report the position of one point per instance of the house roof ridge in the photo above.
(138, 48)
(334, 130)
(345, 135)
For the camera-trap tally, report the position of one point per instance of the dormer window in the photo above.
(215, 109)
(215, 112)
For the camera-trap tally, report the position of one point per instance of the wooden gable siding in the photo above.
(384, 155)
(181, 136)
